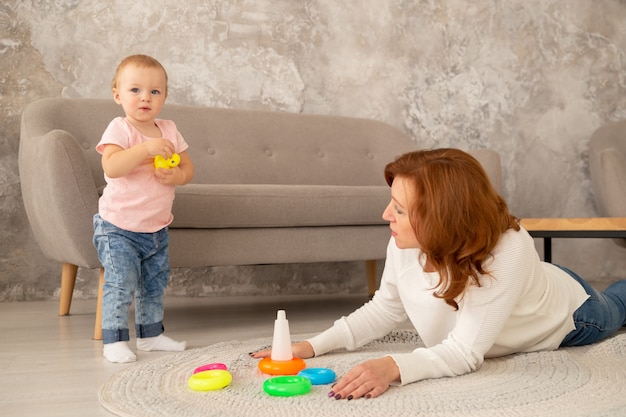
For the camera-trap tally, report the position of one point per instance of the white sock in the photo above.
(119, 352)
(160, 342)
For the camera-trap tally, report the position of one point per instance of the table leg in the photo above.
(547, 249)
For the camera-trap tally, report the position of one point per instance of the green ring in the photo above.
(287, 386)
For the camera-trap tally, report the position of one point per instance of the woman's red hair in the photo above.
(457, 215)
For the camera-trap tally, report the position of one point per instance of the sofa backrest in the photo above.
(243, 146)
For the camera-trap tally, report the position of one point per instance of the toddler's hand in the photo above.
(168, 176)
(162, 147)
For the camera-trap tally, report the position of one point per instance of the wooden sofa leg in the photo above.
(370, 267)
(97, 328)
(68, 280)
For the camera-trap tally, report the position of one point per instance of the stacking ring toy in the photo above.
(318, 376)
(286, 386)
(210, 367)
(160, 162)
(272, 367)
(209, 380)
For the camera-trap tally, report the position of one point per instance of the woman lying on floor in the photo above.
(467, 275)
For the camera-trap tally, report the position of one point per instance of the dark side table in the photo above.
(583, 227)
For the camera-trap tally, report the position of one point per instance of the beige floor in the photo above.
(50, 366)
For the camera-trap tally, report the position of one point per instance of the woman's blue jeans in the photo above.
(135, 265)
(600, 316)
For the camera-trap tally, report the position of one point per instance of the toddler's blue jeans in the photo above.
(135, 264)
(600, 316)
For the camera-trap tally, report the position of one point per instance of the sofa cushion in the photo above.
(269, 205)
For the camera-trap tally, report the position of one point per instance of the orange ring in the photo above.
(272, 367)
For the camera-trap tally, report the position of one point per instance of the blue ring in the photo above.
(318, 376)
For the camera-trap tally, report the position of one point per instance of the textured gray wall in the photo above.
(530, 79)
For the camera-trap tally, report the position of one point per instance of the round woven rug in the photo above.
(582, 381)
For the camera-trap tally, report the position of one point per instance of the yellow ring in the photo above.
(209, 380)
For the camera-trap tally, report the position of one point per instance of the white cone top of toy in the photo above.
(281, 344)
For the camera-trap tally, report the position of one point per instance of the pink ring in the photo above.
(211, 367)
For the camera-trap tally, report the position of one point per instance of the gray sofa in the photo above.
(269, 187)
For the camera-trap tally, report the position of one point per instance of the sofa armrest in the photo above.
(607, 156)
(59, 196)
(610, 187)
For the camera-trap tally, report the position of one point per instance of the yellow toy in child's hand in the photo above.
(160, 162)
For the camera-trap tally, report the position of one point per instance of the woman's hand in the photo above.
(368, 379)
(302, 350)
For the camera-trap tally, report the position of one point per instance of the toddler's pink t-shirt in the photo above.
(137, 202)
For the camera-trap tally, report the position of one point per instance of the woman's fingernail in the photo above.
(368, 396)
(350, 397)
(331, 394)
(338, 396)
